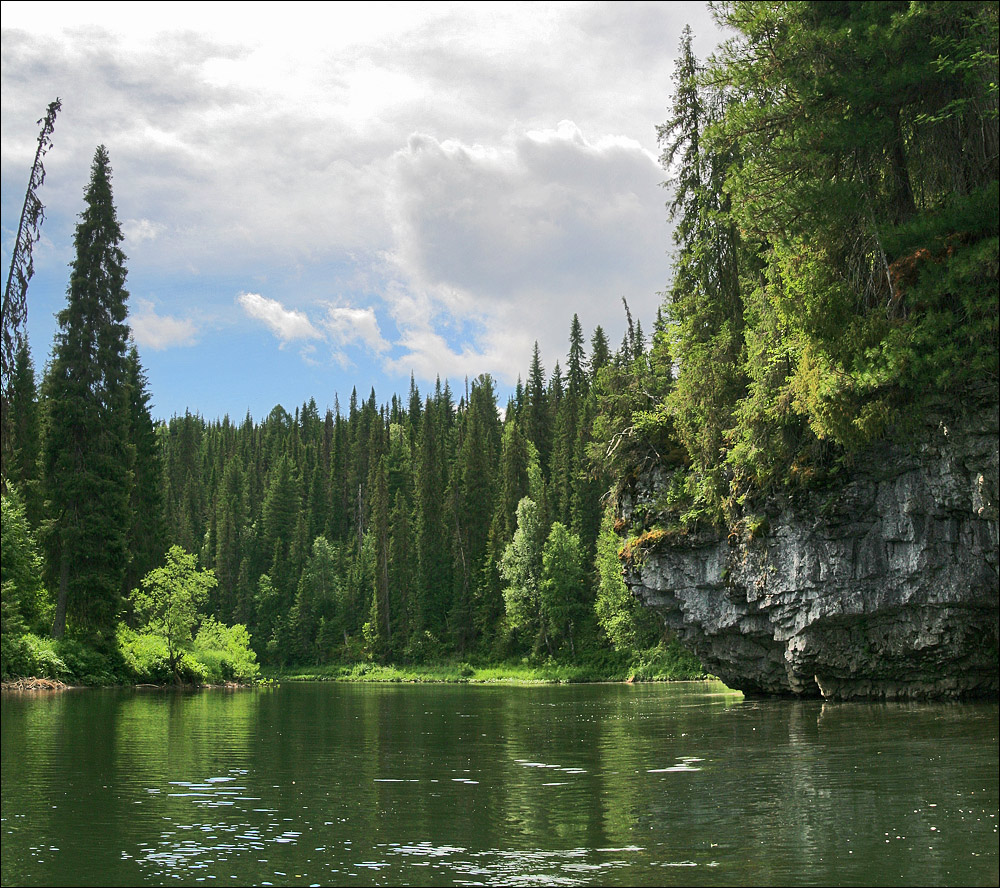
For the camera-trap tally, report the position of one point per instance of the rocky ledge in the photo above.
(883, 586)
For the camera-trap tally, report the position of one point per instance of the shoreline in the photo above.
(32, 683)
(377, 675)
(37, 685)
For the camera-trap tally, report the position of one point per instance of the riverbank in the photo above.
(136, 668)
(443, 673)
(454, 673)
(34, 684)
(660, 668)
(70, 665)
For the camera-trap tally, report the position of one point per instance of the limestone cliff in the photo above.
(884, 585)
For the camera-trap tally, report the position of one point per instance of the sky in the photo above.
(322, 197)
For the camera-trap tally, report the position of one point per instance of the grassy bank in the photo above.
(142, 659)
(669, 663)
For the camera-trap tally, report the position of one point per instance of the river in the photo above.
(377, 784)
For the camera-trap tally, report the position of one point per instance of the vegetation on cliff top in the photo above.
(834, 192)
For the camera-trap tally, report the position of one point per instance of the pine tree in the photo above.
(600, 352)
(147, 535)
(706, 306)
(230, 540)
(279, 520)
(536, 413)
(382, 614)
(434, 573)
(24, 435)
(86, 448)
(576, 373)
(472, 494)
(402, 570)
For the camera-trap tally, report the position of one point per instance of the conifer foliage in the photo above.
(397, 532)
(834, 175)
(87, 459)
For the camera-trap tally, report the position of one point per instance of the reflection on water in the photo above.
(494, 785)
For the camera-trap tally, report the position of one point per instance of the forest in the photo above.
(832, 179)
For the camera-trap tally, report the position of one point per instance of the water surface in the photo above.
(494, 785)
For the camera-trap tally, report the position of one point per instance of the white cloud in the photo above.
(413, 164)
(139, 230)
(287, 324)
(347, 326)
(510, 240)
(341, 327)
(161, 331)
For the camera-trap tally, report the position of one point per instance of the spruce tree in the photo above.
(147, 535)
(382, 614)
(537, 423)
(230, 541)
(86, 447)
(24, 440)
(600, 352)
(433, 562)
(705, 300)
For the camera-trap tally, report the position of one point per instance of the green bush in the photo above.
(90, 665)
(220, 654)
(145, 656)
(668, 662)
(225, 652)
(31, 655)
(190, 670)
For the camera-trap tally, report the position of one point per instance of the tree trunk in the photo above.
(59, 624)
(904, 207)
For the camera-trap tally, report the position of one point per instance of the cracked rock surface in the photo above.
(883, 586)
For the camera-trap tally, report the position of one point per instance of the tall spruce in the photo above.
(86, 455)
(147, 532)
(433, 563)
(21, 468)
(705, 301)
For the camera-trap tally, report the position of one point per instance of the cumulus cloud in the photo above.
(286, 323)
(547, 209)
(413, 165)
(520, 235)
(139, 230)
(345, 325)
(341, 327)
(161, 331)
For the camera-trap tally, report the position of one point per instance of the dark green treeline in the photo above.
(377, 530)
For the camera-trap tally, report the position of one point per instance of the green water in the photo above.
(494, 785)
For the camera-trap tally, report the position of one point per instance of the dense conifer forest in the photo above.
(833, 184)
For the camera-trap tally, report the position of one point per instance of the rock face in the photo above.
(885, 586)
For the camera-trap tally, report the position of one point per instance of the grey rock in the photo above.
(883, 586)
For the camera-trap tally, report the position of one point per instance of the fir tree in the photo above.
(24, 435)
(147, 540)
(86, 449)
(382, 614)
(434, 573)
(537, 422)
(600, 352)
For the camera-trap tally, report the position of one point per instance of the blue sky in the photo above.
(317, 197)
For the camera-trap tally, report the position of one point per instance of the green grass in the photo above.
(660, 664)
